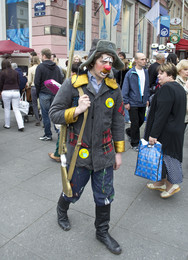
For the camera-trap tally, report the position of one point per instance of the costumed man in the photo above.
(103, 138)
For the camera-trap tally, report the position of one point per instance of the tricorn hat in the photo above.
(104, 47)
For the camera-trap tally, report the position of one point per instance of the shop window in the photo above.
(17, 27)
(77, 5)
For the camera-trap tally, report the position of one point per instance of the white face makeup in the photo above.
(107, 62)
(107, 59)
(102, 67)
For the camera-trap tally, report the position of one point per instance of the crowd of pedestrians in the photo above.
(158, 95)
(166, 95)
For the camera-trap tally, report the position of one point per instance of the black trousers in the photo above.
(137, 115)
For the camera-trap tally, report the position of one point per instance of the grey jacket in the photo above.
(104, 130)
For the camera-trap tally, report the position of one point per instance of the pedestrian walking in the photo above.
(135, 93)
(31, 76)
(46, 70)
(153, 72)
(103, 137)
(10, 92)
(172, 57)
(182, 79)
(22, 78)
(120, 78)
(166, 124)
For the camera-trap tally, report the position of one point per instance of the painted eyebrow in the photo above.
(107, 59)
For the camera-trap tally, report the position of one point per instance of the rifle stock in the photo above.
(65, 182)
(63, 132)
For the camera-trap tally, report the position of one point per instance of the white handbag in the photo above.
(24, 105)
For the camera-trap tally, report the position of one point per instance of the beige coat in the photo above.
(183, 84)
(31, 75)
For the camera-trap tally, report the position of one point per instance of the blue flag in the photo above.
(117, 5)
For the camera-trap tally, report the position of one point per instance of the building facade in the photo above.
(49, 24)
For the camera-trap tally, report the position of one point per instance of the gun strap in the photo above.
(77, 147)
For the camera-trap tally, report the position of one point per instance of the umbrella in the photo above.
(8, 47)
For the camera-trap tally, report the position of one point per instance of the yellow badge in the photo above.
(83, 153)
(109, 102)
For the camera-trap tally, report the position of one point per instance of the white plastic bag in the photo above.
(24, 105)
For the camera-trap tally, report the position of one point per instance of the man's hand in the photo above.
(152, 140)
(127, 106)
(147, 103)
(118, 161)
(83, 104)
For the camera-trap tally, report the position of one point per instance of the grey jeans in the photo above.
(34, 102)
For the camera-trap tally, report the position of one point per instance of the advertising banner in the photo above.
(165, 26)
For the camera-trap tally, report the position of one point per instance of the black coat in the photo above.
(166, 119)
(46, 70)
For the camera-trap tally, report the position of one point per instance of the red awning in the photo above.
(9, 47)
(182, 45)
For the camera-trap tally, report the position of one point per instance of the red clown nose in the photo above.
(106, 69)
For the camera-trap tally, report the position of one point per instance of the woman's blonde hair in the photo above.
(35, 60)
(183, 64)
(77, 56)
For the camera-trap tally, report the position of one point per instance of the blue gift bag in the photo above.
(149, 161)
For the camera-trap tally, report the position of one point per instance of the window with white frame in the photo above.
(17, 21)
(74, 6)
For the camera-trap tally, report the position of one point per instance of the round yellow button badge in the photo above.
(109, 102)
(83, 153)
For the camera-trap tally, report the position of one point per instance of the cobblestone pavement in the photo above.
(146, 226)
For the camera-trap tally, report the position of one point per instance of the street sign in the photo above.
(39, 9)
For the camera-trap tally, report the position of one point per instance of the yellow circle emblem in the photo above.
(83, 153)
(109, 102)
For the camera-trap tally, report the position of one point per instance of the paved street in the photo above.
(146, 226)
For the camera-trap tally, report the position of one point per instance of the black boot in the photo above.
(102, 226)
(62, 217)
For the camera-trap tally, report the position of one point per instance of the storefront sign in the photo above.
(175, 21)
(174, 38)
(39, 9)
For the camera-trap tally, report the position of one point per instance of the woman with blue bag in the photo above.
(166, 124)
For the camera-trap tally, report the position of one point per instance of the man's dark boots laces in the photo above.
(62, 218)
(102, 226)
